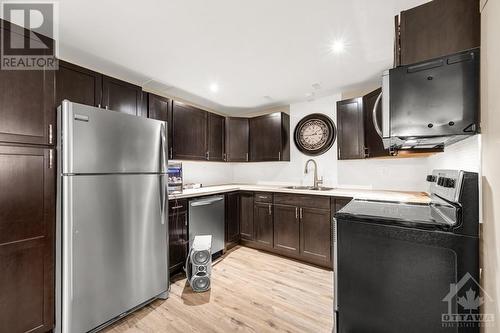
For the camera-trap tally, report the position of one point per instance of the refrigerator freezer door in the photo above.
(98, 141)
(114, 246)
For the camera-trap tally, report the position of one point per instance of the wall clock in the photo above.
(315, 134)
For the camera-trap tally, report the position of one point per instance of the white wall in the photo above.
(463, 155)
(207, 173)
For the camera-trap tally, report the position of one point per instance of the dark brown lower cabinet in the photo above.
(177, 234)
(316, 235)
(232, 220)
(286, 228)
(246, 216)
(263, 224)
(27, 226)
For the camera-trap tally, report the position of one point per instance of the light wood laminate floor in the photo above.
(252, 291)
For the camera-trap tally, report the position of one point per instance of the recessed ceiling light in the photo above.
(214, 87)
(316, 85)
(338, 46)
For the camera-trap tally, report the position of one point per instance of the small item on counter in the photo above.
(192, 186)
(174, 177)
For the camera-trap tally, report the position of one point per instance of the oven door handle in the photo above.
(374, 116)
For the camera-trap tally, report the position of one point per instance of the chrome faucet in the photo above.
(317, 181)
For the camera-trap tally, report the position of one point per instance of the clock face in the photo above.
(314, 134)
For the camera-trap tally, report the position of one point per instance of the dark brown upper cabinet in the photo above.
(237, 139)
(121, 96)
(263, 224)
(215, 137)
(78, 84)
(270, 137)
(350, 129)
(246, 215)
(436, 29)
(27, 227)
(160, 108)
(189, 132)
(27, 105)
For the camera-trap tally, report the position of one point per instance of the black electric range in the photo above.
(397, 264)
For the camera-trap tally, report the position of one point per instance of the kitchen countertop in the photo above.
(399, 196)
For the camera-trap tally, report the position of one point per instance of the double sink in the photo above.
(309, 188)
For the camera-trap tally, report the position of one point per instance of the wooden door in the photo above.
(263, 224)
(232, 219)
(246, 216)
(439, 28)
(27, 226)
(265, 137)
(215, 139)
(237, 139)
(78, 84)
(27, 110)
(286, 228)
(121, 96)
(373, 141)
(189, 131)
(316, 235)
(160, 108)
(350, 129)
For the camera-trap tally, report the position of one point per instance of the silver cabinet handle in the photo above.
(107, 108)
(269, 209)
(51, 158)
(171, 152)
(51, 136)
(296, 213)
(247, 156)
(99, 106)
(177, 207)
(262, 196)
(279, 156)
(374, 116)
(300, 212)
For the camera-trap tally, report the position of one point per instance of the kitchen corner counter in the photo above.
(399, 196)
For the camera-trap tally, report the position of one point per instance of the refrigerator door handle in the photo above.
(163, 198)
(163, 152)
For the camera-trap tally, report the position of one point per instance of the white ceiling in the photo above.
(251, 49)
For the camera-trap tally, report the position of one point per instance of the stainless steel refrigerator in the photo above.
(112, 216)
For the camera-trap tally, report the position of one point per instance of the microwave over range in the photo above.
(430, 104)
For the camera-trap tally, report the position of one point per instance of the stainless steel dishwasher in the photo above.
(206, 217)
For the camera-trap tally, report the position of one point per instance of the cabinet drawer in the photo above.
(263, 197)
(311, 201)
(177, 206)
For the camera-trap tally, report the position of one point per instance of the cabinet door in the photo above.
(237, 136)
(246, 216)
(215, 139)
(27, 110)
(315, 235)
(265, 137)
(232, 219)
(350, 129)
(439, 28)
(373, 141)
(121, 96)
(27, 224)
(178, 240)
(189, 130)
(286, 228)
(263, 220)
(78, 84)
(160, 108)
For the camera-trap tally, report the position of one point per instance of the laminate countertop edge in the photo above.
(396, 196)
